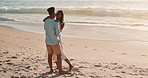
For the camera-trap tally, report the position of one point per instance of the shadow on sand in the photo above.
(48, 75)
(55, 74)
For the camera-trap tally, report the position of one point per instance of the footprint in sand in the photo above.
(71, 45)
(13, 57)
(82, 67)
(6, 52)
(72, 59)
(123, 72)
(82, 62)
(95, 49)
(26, 38)
(17, 37)
(6, 35)
(143, 55)
(114, 75)
(10, 63)
(17, 54)
(94, 77)
(124, 53)
(6, 60)
(30, 48)
(28, 67)
(39, 40)
(85, 46)
(114, 63)
(112, 50)
(99, 65)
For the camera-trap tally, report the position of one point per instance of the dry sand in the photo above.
(22, 54)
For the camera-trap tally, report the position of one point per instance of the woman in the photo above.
(60, 19)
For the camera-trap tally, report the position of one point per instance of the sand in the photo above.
(22, 54)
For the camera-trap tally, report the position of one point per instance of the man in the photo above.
(52, 42)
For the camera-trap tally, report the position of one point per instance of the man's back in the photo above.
(51, 31)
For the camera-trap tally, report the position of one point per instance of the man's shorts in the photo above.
(53, 49)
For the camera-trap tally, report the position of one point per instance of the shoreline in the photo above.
(105, 33)
(23, 54)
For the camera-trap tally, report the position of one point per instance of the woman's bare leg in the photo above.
(56, 64)
(59, 64)
(70, 65)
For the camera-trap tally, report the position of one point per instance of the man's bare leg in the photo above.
(50, 62)
(59, 63)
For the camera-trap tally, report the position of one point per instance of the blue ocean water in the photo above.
(127, 14)
(95, 8)
(109, 4)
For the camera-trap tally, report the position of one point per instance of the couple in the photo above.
(53, 27)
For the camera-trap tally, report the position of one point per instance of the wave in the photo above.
(7, 19)
(22, 10)
(82, 11)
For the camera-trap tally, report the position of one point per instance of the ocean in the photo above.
(93, 19)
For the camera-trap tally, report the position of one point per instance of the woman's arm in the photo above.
(45, 18)
(62, 26)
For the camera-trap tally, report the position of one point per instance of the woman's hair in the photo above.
(62, 14)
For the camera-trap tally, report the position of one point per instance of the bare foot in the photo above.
(63, 72)
(70, 68)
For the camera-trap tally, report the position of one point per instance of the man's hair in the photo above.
(51, 10)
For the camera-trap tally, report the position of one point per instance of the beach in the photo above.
(101, 38)
(23, 54)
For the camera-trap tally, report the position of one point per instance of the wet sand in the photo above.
(22, 54)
